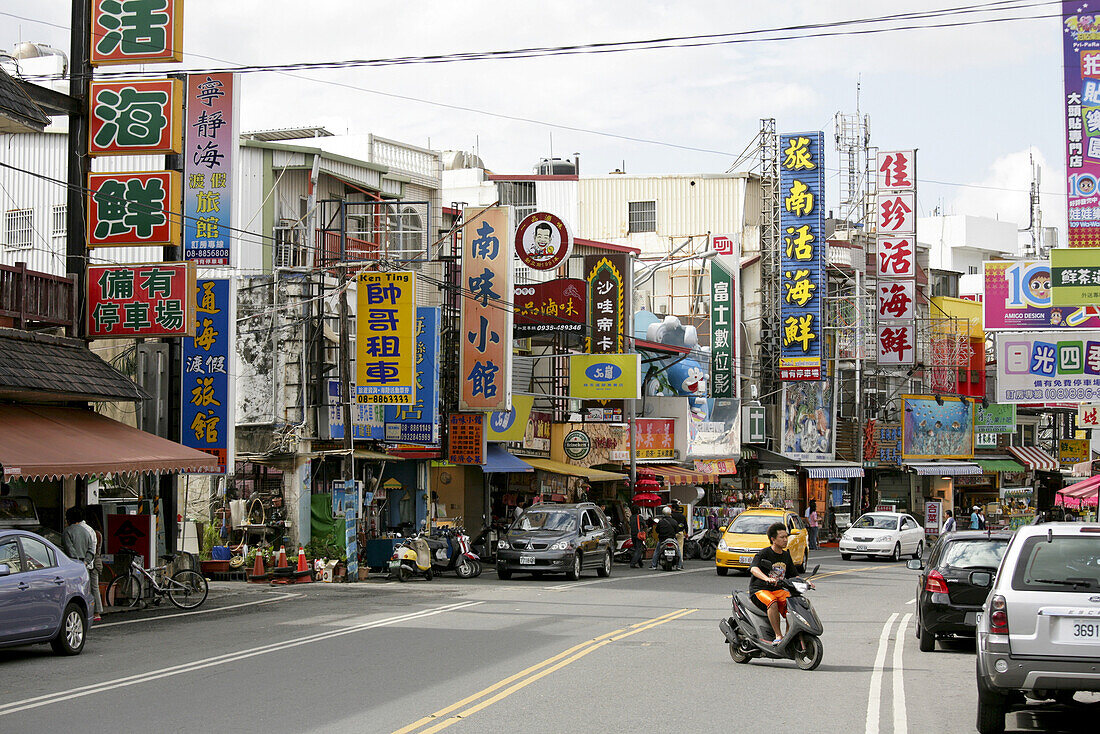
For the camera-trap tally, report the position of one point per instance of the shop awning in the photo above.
(498, 460)
(374, 455)
(769, 459)
(592, 475)
(38, 441)
(1034, 458)
(944, 468)
(1086, 488)
(679, 475)
(832, 469)
(999, 464)
(716, 466)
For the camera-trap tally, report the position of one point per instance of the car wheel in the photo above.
(896, 555)
(605, 570)
(919, 552)
(574, 573)
(845, 556)
(503, 573)
(927, 639)
(991, 711)
(70, 638)
(723, 571)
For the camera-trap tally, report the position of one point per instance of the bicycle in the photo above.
(186, 589)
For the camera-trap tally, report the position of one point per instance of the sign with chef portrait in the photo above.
(543, 241)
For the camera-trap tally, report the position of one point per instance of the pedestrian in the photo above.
(637, 534)
(975, 522)
(981, 519)
(666, 527)
(949, 524)
(679, 515)
(811, 514)
(78, 540)
(91, 520)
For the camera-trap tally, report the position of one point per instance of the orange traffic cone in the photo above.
(283, 573)
(282, 557)
(258, 574)
(304, 575)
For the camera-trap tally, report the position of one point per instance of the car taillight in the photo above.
(998, 617)
(935, 583)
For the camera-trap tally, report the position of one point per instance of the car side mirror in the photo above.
(722, 529)
(5, 569)
(983, 579)
(915, 564)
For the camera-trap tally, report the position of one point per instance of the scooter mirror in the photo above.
(814, 572)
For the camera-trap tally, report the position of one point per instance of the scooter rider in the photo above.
(770, 566)
(666, 528)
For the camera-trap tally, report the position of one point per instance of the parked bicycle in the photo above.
(186, 589)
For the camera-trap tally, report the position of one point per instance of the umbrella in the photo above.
(646, 499)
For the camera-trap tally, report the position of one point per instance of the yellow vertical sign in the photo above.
(385, 332)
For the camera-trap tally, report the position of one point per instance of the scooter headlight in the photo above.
(503, 545)
(722, 545)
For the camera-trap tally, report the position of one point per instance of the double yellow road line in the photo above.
(486, 697)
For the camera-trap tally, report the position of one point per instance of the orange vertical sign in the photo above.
(485, 355)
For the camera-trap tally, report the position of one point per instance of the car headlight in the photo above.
(722, 545)
(503, 545)
(562, 545)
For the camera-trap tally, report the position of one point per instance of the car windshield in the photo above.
(1063, 564)
(878, 522)
(977, 553)
(17, 508)
(557, 521)
(753, 524)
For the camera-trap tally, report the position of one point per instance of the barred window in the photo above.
(19, 224)
(642, 216)
(57, 219)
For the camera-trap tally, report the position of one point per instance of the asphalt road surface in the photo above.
(639, 651)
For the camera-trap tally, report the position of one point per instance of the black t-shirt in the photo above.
(666, 528)
(774, 565)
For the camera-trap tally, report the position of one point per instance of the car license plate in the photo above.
(1080, 629)
(971, 618)
(745, 559)
(527, 560)
(861, 547)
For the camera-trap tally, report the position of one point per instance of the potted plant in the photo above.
(210, 539)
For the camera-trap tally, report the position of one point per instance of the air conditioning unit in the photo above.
(289, 252)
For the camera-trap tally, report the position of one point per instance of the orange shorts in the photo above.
(778, 596)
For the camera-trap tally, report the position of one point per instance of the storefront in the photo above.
(1047, 476)
(935, 480)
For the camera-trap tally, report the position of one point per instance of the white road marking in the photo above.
(280, 597)
(875, 692)
(90, 690)
(573, 584)
(900, 717)
(911, 601)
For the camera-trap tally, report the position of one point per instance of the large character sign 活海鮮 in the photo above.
(935, 431)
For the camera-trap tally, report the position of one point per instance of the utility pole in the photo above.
(347, 471)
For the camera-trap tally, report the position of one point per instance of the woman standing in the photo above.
(814, 524)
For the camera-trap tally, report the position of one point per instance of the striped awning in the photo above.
(1034, 458)
(944, 468)
(833, 470)
(679, 475)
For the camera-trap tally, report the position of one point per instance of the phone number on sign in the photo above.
(376, 399)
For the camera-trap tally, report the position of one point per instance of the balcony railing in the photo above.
(29, 298)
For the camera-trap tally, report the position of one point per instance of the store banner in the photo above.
(135, 117)
(995, 418)
(1073, 451)
(1048, 366)
(485, 355)
(552, 307)
(539, 431)
(937, 429)
(897, 257)
(754, 424)
(896, 227)
(143, 32)
(896, 170)
(809, 421)
(1018, 296)
(209, 399)
(897, 300)
(367, 420)
(895, 213)
(132, 301)
(1088, 416)
(605, 276)
(897, 344)
(511, 425)
(466, 438)
(418, 423)
(133, 209)
(1081, 67)
(543, 241)
(884, 447)
(212, 134)
(655, 439)
(802, 225)
(385, 342)
(1075, 276)
(605, 376)
(724, 289)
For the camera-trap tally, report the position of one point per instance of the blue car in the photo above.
(45, 596)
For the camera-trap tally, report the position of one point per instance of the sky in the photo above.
(977, 101)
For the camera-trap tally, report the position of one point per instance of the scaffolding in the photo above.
(770, 263)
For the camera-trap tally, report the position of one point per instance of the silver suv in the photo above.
(1039, 630)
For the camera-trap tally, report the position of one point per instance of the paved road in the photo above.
(639, 651)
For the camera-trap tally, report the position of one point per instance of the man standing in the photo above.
(637, 535)
(77, 540)
(949, 524)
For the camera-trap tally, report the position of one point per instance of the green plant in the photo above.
(210, 538)
(327, 546)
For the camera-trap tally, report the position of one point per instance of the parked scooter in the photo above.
(411, 558)
(708, 544)
(667, 554)
(450, 551)
(749, 633)
(624, 549)
(692, 547)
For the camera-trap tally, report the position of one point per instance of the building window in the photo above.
(945, 284)
(972, 270)
(19, 224)
(642, 216)
(58, 229)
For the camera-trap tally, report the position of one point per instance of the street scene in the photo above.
(485, 366)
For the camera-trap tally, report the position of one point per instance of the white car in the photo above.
(892, 534)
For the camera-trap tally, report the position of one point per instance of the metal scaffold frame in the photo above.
(770, 333)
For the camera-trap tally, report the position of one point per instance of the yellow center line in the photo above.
(555, 663)
(486, 691)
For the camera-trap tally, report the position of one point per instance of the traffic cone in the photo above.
(258, 575)
(304, 575)
(282, 557)
(283, 573)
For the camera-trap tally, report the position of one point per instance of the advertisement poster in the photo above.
(809, 421)
(209, 153)
(934, 431)
(141, 300)
(208, 416)
(605, 376)
(1048, 366)
(802, 227)
(656, 439)
(485, 354)
(1018, 296)
(419, 423)
(367, 420)
(1072, 451)
(1075, 276)
(552, 307)
(718, 436)
(1081, 66)
(385, 345)
(995, 419)
(539, 431)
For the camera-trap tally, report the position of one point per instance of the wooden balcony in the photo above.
(29, 299)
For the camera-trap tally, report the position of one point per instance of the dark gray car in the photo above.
(553, 538)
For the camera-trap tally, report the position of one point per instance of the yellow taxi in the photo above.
(748, 533)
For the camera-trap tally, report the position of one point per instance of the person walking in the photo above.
(975, 519)
(949, 524)
(638, 531)
(92, 523)
(811, 516)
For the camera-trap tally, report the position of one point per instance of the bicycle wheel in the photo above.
(124, 591)
(187, 589)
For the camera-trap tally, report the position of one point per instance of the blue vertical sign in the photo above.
(208, 416)
(802, 254)
(419, 423)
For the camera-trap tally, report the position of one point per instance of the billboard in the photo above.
(655, 439)
(543, 241)
(605, 376)
(135, 117)
(133, 209)
(552, 307)
(385, 345)
(936, 429)
(896, 231)
(1018, 296)
(512, 425)
(208, 168)
(1048, 366)
(136, 32)
(141, 300)
(1081, 69)
(724, 289)
(606, 278)
(1075, 276)
(418, 422)
(808, 431)
(802, 227)
(208, 415)
(485, 355)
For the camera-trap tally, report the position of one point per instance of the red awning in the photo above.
(1034, 458)
(38, 441)
(679, 475)
(1081, 489)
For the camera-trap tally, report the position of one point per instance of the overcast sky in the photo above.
(974, 100)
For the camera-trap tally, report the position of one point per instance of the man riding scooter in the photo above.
(667, 528)
(770, 566)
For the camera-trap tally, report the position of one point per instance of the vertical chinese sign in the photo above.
(136, 32)
(1081, 66)
(135, 117)
(606, 276)
(133, 209)
(140, 300)
(208, 415)
(466, 438)
(802, 222)
(896, 264)
(485, 357)
(385, 345)
(208, 168)
(723, 336)
(419, 422)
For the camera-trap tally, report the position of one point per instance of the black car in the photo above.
(947, 603)
(553, 538)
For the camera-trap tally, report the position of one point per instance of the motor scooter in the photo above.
(708, 544)
(693, 544)
(624, 549)
(412, 557)
(450, 551)
(749, 633)
(668, 554)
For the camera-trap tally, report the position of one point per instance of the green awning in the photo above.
(999, 465)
